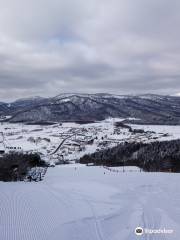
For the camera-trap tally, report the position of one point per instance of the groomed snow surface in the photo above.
(77, 202)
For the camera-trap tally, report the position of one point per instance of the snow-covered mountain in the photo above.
(147, 108)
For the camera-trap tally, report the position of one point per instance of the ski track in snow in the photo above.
(86, 204)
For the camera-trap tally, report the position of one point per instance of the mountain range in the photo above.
(142, 109)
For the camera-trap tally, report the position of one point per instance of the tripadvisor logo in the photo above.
(139, 231)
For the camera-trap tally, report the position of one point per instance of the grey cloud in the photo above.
(121, 46)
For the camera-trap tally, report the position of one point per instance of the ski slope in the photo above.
(76, 202)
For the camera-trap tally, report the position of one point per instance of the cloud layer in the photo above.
(121, 46)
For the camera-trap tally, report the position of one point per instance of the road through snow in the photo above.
(86, 204)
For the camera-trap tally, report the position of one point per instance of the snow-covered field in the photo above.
(88, 138)
(172, 131)
(76, 202)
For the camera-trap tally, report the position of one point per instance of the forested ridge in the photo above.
(155, 156)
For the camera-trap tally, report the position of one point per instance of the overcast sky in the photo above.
(49, 47)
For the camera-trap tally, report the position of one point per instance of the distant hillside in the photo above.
(148, 109)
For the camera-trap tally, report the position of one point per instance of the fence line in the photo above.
(120, 171)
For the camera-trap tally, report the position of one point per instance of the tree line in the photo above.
(15, 166)
(155, 156)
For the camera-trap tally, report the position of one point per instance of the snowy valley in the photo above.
(76, 140)
(84, 202)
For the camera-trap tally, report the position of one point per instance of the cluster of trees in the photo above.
(15, 166)
(155, 156)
